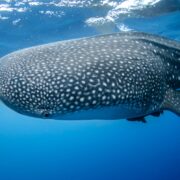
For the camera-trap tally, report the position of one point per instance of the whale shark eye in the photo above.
(46, 115)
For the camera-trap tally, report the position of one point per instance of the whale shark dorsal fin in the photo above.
(172, 101)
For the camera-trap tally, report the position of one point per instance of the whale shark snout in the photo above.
(121, 75)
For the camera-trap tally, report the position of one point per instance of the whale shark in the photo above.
(126, 75)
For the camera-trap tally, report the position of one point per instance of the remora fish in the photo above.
(121, 75)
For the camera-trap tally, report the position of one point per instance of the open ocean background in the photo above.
(40, 149)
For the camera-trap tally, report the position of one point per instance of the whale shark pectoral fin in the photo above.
(142, 118)
(139, 119)
(156, 114)
(172, 101)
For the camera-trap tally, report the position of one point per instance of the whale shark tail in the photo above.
(172, 101)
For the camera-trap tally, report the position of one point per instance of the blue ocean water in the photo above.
(32, 148)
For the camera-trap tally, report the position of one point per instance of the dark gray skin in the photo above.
(121, 75)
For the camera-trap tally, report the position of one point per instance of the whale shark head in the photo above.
(28, 89)
(37, 110)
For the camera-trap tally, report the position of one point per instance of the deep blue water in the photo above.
(33, 148)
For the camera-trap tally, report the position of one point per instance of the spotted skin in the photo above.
(128, 74)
